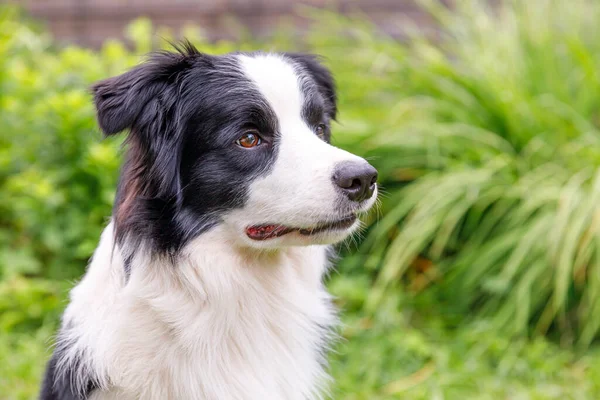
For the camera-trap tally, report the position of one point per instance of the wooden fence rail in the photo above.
(90, 22)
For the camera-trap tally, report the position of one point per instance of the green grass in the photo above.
(392, 356)
(385, 359)
(23, 357)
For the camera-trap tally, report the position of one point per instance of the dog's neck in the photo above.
(222, 321)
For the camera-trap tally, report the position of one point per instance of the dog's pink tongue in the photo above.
(264, 232)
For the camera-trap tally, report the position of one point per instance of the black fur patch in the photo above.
(62, 387)
(321, 78)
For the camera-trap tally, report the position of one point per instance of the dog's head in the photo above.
(239, 140)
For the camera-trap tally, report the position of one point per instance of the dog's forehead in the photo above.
(278, 80)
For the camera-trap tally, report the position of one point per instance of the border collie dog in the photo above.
(207, 282)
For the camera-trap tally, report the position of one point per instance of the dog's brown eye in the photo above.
(248, 140)
(321, 128)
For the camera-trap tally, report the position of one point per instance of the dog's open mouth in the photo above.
(270, 231)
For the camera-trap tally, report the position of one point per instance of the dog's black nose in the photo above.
(356, 179)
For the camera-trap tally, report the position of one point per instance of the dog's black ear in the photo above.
(311, 63)
(147, 101)
(121, 101)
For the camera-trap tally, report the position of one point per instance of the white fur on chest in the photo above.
(221, 324)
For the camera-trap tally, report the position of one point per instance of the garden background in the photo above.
(479, 275)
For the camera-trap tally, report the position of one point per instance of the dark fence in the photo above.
(89, 22)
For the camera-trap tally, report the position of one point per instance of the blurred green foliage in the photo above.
(498, 120)
(485, 133)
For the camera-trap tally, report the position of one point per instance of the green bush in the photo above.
(56, 177)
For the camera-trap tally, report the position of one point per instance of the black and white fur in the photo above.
(179, 302)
